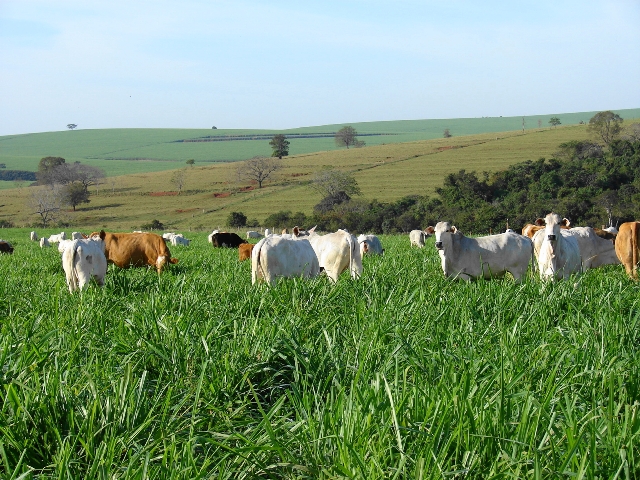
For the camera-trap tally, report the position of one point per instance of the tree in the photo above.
(258, 169)
(447, 133)
(71, 126)
(280, 145)
(191, 162)
(347, 136)
(605, 126)
(74, 194)
(329, 182)
(45, 168)
(236, 219)
(178, 179)
(554, 122)
(46, 203)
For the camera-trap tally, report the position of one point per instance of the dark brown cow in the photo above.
(136, 249)
(5, 247)
(627, 248)
(224, 239)
(244, 251)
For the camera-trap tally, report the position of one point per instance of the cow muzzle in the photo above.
(439, 245)
(551, 238)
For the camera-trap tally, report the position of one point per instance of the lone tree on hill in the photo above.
(447, 133)
(330, 183)
(74, 194)
(178, 179)
(258, 169)
(72, 126)
(347, 136)
(605, 126)
(554, 122)
(280, 145)
(191, 162)
(236, 219)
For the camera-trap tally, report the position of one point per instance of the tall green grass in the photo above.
(197, 374)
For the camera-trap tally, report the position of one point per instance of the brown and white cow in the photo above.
(136, 249)
(627, 248)
(244, 251)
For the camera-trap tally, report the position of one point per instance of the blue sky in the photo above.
(285, 64)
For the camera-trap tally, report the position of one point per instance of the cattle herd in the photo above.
(558, 250)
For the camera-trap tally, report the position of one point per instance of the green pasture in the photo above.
(401, 374)
(153, 150)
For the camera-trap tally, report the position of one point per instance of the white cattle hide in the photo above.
(594, 251)
(44, 242)
(57, 238)
(83, 259)
(34, 237)
(556, 249)
(267, 232)
(418, 237)
(253, 234)
(336, 253)
(370, 245)
(77, 236)
(179, 239)
(210, 237)
(276, 256)
(468, 258)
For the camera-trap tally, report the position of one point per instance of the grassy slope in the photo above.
(385, 172)
(196, 373)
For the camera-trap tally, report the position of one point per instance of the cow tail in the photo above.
(68, 264)
(634, 249)
(255, 262)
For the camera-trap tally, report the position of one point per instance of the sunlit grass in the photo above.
(198, 373)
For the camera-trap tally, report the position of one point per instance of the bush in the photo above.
(236, 219)
(154, 225)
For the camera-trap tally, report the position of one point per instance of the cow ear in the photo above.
(540, 222)
(312, 230)
(102, 234)
(295, 231)
(566, 222)
(429, 230)
(454, 229)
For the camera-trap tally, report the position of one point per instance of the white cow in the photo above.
(611, 230)
(178, 239)
(253, 234)
(336, 253)
(77, 236)
(63, 244)
(168, 235)
(418, 237)
(267, 232)
(34, 237)
(57, 238)
(556, 249)
(370, 244)
(594, 250)
(83, 259)
(468, 258)
(44, 242)
(276, 256)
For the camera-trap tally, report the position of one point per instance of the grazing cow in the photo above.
(44, 242)
(267, 232)
(336, 252)
(253, 234)
(83, 259)
(468, 258)
(57, 238)
(34, 237)
(166, 236)
(244, 251)
(5, 247)
(225, 239)
(595, 251)
(418, 237)
(556, 249)
(627, 248)
(78, 236)
(136, 249)
(277, 256)
(179, 239)
(370, 245)
(63, 244)
(210, 237)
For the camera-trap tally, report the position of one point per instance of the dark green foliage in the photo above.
(154, 225)
(46, 167)
(74, 194)
(346, 137)
(605, 126)
(554, 121)
(236, 219)
(12, 175)
(285, 219)
(280, 145)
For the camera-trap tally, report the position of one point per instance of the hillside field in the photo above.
(196, 373)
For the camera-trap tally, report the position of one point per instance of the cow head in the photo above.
(441, 229)
(553, 223)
